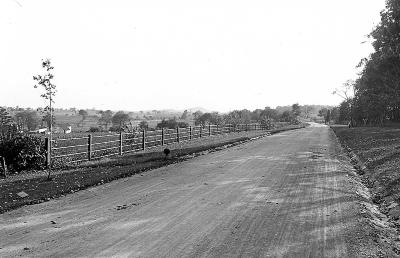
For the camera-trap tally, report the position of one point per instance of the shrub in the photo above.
(23, 152)
(115, 129)
(183, 125)
(94, 129)
(172, 124)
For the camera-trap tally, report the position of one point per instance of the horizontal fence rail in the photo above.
(78, 149)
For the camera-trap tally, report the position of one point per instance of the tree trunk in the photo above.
(3, 165)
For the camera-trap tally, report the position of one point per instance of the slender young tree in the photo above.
(45, 81)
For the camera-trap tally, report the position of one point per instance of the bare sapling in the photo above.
(45, 81)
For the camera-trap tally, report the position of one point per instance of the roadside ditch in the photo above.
(381, 213)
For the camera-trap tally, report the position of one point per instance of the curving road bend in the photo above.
(284, 195)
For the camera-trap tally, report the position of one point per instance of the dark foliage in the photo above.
(120, 119)
(94, 129)
(23, 152)
(377, 90)
(115, 129)
(6, 125)
(170, 124)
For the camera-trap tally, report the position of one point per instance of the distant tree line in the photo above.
(107, 120)
(264, 116)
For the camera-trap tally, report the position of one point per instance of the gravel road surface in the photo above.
(285, 195)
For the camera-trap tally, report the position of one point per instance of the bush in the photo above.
(171, 124)
(115, 129)
(94, 129)
(183, 125)
(23, 152)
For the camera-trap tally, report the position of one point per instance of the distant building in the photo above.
(40, 130)
(69, 129)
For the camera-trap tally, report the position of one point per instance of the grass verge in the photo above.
(88, 174)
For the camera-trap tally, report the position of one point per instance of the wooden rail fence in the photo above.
(92, 147)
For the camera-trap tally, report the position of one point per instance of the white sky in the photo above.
(217, 54)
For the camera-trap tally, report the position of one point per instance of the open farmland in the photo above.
(80, 126)
(76, 122)
(77, 147)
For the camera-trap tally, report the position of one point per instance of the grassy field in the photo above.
(379, 150)
(73, 147)
(79, 126)
(76, 122)
(98, 172)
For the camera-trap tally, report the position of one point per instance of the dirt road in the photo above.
(281, 196)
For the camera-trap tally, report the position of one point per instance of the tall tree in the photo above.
(256, 115)
(326, 114)
(209, 118)
(335, 115)
(328, 117)
(236, 117)
(197, 114)
(268, 115)
(143, 125)
(323, 112)
(344, 112)
(296, 110)
(120, 119)
(307, 110)
(105, 118)
(377, 90)
(27, 119)
(170, 123)
(84, 114)
(5, 118)
(5, 123)
(49, 121)
(287, 116)
(184, 115)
